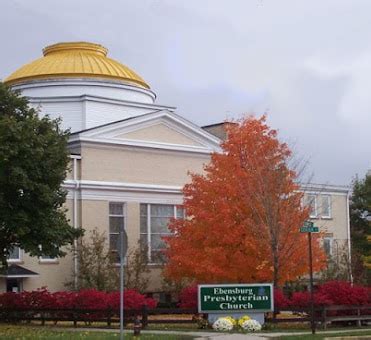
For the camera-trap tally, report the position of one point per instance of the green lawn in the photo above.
(16, 332)
(322, 336)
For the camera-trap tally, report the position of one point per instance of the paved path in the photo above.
(213, 335)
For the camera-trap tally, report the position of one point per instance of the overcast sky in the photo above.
(306, 63)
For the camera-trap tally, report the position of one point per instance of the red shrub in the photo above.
(333, 293)
(84, 299)
(342, 293)
(280, 300)
(188, 297)
(132, 300)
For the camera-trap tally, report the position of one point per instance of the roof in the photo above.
(15, 271)
(75, 60)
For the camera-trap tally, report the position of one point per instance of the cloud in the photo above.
(305, 62)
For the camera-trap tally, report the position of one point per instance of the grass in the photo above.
(19, 332)
(325, 335)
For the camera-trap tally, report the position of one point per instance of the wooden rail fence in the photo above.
(323, 315)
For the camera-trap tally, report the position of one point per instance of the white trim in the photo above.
(51, 260)
(19, 259)
(106, 133)
(308, 200)
(103, 82)
(159, 121)
(148, 120)
(124, 192)
(149, 231)
(124, 218)
(124, 186)
(329, 202)
(331, 241)
(98, 99)
(324, 188)
(18, 276)
(144, 144)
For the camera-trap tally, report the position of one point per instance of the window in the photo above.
(325, 206)
(46, 258)
(327, 245)
(15, 254)
(154, 220)
(311, 202)
(116, 222)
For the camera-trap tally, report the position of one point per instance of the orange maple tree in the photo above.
(243, 215)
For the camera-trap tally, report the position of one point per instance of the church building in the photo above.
(130, 158)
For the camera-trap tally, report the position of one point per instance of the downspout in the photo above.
(349, 243)
(74, 218)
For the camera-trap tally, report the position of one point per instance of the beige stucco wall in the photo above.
(337, 224)
(159, 133)
(134, 165)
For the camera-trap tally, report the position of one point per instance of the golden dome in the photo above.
(75, 60)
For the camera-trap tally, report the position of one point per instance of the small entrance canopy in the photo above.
(14, 272)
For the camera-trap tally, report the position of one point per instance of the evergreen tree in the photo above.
(360, 218)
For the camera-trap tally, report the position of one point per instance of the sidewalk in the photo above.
(198, 335)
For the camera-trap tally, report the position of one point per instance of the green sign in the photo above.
(308, 227)
(235, 298)
(308, 224)
(309, 230)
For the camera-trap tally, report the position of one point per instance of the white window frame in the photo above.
(329, 206)
(308, 200)
(149, 231)
(49, 259)
(19, 259)
(109, 225)
(331, 240)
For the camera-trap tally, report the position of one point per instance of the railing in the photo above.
(322, 315)
(326, 314)
(108, 315)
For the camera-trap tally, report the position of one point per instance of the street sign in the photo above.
(309, 224)
(309, 229)
(224, 298)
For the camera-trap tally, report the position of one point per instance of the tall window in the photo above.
(325, 206)
(116, 222)
(154, 220)
(311, 202)
(15, 254)
(327, 245)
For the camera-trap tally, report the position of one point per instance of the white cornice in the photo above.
(141, 144)
(102, 185)
(98, 99)
(324, 188)
(124, 192)
(81, 82)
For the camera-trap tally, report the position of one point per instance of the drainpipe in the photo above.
(74, 218)
(349, 243)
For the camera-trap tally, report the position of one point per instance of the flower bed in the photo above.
(245, 323)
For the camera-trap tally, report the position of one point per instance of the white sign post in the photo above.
(123, 246)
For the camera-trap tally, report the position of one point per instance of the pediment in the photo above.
(159, 133)
(162, 129)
